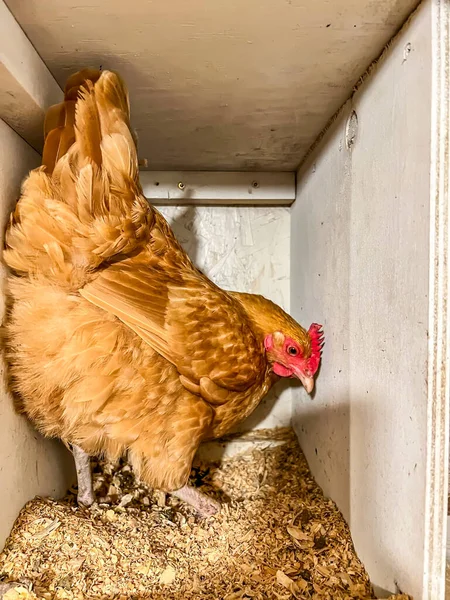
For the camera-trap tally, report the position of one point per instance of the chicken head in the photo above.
(295, 358)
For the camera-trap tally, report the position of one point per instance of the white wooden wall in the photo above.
(29, 465)
(26, 87)
(361, 242)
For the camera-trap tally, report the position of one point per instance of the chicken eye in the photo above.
(292, 351)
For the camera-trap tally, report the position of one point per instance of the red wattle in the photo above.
(281, 370)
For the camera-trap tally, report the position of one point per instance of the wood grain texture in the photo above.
(218, 188)
(361, 222)
(225, 85)
(27, 88)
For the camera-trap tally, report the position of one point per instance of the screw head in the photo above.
(255, 184)
(181, 185)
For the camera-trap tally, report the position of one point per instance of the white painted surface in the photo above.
(218, 188)
(360, 232)
(219, 85)
(29, 465)
(245, 249)
(320, 243)
(436, 507)
(27, 88)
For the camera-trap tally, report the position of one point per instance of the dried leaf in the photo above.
(287, 582)
(323, 571)
(47, 530)
(298, 534)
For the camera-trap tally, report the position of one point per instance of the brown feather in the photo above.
(51, 148)
(59, 140)
(54, 118)
(87, 128)
(79, 80)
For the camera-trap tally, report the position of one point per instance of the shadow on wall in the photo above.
(183, 226)
(339, 469)
(329, 456)
(261, 414)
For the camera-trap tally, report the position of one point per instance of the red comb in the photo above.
(317, 342)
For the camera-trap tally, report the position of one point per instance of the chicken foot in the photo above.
(85, 494)
(205, 506)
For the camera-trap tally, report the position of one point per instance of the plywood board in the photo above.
(215, 188)
(361, 232)
(29, 465)
(219, 85)
(27, 88)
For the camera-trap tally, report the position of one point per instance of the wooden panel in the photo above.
(27, 88)
(438, 375)
(218, 188)
(320, 241)
(219, 85)
(29, 465)
(375, 433)
(389, 310)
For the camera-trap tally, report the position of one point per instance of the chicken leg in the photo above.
(205, 506)
(85, 494)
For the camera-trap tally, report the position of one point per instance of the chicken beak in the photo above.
(308, 382)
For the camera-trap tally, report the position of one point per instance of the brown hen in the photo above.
(116, 343)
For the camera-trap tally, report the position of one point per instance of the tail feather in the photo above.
(79, 80)
(87, 128)
(60, 139)
(119, 156)
(114, 106)
(92, 191)
(85, 204)
(54, 118)
(113, 95)
(59, 125)
(96, 104)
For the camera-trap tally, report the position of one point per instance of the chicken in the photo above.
(116, 342)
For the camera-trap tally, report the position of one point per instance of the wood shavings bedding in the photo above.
(276, 537)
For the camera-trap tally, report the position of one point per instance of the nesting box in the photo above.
(300, 150)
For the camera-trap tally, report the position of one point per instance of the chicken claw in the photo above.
(204, 505)
(85, 494)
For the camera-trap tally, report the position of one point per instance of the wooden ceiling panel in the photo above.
(219, 85)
